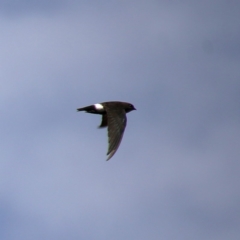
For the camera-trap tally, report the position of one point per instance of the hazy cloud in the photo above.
(176, 173)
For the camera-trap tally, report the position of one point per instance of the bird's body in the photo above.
(114, 117)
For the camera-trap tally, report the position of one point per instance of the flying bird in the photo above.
(114, 117)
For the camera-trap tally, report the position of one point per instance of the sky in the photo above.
(176, 172)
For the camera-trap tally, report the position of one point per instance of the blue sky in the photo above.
(176, 173)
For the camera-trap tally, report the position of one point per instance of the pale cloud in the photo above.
(175, 175)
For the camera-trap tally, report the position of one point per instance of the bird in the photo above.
(114, 117)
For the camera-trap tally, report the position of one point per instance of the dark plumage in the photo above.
(113, 117)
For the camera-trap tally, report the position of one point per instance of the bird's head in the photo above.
(129, 107)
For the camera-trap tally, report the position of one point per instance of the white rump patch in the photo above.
(98, 106)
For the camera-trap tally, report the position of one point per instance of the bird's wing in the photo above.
(117, 122)
(104, 122)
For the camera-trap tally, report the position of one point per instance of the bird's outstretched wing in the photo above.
(117, 121)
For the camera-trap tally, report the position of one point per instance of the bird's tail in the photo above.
(87, 109)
